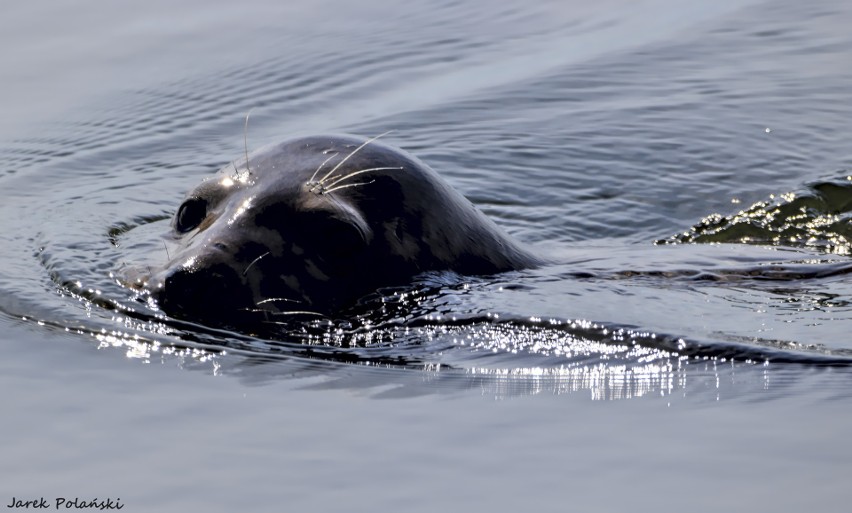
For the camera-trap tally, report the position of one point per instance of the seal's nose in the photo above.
(204, 293)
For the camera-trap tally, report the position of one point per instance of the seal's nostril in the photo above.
(204, 293)
(220, 246)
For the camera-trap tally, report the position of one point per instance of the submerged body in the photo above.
(314, 224)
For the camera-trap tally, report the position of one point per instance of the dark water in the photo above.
(686, 165)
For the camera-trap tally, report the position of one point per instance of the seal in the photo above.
(313, 224)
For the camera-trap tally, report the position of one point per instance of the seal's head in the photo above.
(313, 224)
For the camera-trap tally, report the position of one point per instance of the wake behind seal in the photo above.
(313, 224)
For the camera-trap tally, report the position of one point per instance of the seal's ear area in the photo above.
(190, 214)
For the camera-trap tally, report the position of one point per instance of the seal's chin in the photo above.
(203, 293)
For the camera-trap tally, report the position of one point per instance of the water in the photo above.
(623, 140)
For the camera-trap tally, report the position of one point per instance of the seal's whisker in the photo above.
(356, 150)
(299, 312)
(285, 312)
(167, 250)
(324, 162)
(253, 262)
(337, 180)
(271, 299)
(294, 312)
(326, 191)
(245, 139)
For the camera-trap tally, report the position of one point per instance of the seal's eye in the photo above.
(190, 214)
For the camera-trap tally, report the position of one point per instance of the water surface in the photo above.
(684, 165)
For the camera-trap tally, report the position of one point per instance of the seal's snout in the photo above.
(202, 292)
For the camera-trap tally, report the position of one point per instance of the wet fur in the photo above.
(291, 231)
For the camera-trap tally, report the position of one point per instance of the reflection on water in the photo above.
(604, 372)
(676, 378)
(606, 382)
